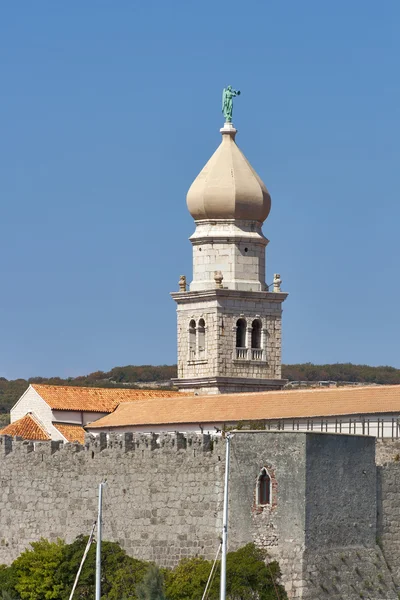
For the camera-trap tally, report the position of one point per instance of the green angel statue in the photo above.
(227, 102)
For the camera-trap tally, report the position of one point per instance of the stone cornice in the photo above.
(222, 237)
(188, 297)
(237, 381)
(228, 230)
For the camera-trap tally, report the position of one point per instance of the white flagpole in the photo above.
(98, 545)
(225, 519)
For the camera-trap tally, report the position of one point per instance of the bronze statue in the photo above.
(227, 102)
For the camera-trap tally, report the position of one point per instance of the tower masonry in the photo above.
(229, 322)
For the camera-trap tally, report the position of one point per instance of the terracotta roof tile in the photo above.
(91, 399)
(254, 406)
(72, 433)
(28, 428)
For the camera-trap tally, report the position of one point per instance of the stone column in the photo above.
(264, 343)
(248, 340)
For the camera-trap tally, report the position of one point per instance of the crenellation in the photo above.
(49, 447)
(6, 445)
(24, 447)
(98, 443)
(123, 442)
(126, 442)
(172, 441)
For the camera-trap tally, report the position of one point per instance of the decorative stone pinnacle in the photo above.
(277, 282)
(182, 283)
(218, 277)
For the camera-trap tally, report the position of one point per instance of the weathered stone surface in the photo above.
(387, 451)
(220, 309)
(157, 491)
(164, 494)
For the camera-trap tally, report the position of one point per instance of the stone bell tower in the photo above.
(229, 323)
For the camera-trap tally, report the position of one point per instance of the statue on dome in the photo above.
(227, 102)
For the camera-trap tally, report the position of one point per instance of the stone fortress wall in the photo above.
(163, 502)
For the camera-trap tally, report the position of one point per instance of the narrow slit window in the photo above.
(264, 488)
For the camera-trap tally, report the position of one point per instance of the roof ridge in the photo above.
(310, 389)
(95, 387)
(70, 424)
(307, 390)
(37, 421)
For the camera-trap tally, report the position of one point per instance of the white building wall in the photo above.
(67, 416)
(380, 426)
(89, 417)
(376, 425)
(172, 428)
(77, 417)
(32, 402)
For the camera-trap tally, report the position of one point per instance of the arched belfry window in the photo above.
(256, 334)
(192, 339)
(241, 327)
(201, 338)
(263, 488)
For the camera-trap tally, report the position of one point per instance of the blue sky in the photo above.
(108, 112)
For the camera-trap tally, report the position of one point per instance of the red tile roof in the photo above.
(285, 404)
(72, 433)
(28, 428)
(91, 399)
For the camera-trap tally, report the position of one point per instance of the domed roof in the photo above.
(228, 187)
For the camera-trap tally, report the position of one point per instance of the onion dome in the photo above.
(228, 187)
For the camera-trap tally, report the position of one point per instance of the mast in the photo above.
(225, 519)
(98, 545)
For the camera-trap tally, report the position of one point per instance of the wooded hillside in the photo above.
(132, 376)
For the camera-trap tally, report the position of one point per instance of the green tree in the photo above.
(120, 572)
(188, 580)
(36, 571)
(6, 595)
(248, 576)
(152, 586)
(126, 579)
(47, 572)
(8, 579)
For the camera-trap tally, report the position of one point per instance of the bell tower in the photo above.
(229, 322)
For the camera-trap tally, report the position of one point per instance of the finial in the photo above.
(182, 283)
(218, 277)
(227, 102)
(277, 282)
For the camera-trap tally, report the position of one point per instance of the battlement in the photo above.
(143, 443)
